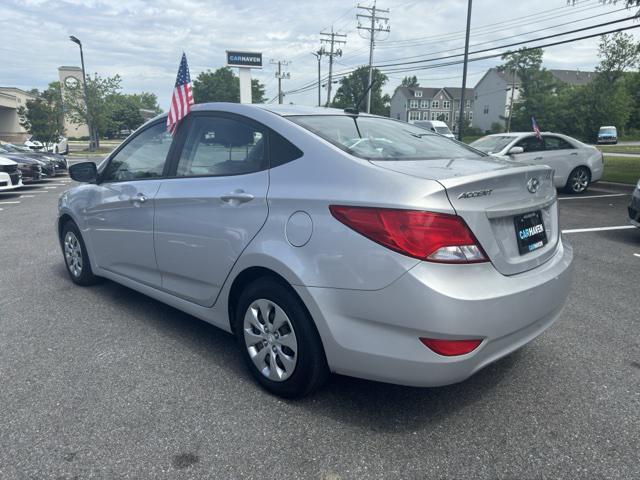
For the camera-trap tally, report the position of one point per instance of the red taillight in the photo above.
(450, 348)
(436, 237)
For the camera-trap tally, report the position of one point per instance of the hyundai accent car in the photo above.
(576, 165)
(326, 241)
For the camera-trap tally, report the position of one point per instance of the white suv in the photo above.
(10, 176)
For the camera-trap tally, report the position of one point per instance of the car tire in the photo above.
(75, 255)
(57, 150)
(278, 339)
(578, 181)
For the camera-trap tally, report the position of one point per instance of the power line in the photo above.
(280, 75)
(378, 24)
(475, 59)
(333, 39)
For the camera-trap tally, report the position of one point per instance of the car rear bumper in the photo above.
(375, 334)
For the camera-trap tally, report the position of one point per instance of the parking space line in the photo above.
(597, 229)
(595, 196)
(50, 188)
(55, 185)
(8, 203)
(27, 196)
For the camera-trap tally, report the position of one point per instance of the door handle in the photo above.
(139, 198)
(537, 158)
(237, 197)
(574, 153)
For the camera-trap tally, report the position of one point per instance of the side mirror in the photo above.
(516, 150)
(85, 172)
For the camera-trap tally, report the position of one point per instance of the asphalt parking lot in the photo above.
(103, 382)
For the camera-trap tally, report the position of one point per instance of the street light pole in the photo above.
(92, 139)
(318, 56)
(464, 72)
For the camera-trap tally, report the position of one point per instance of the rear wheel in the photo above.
(578, 180)
(75, 256)
(278, 339)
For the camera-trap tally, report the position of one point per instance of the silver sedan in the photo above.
(326, 241)
(576, 165)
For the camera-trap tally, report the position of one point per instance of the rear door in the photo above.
(213, 206)
(561, 156)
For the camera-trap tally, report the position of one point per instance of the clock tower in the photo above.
(71, 79)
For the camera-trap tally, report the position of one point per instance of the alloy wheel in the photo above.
(579, 180)
(73, 254)
(270, 340)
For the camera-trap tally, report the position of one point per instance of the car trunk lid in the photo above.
(489, 194)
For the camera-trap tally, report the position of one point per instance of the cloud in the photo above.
(143, 40)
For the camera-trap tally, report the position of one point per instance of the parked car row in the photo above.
(19, 164)
(61, 146)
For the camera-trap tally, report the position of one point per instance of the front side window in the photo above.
(142, 157)
(531, 144)
(375, 138)
(221, 146)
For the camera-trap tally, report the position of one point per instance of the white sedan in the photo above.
(10, 176)
(576, 164)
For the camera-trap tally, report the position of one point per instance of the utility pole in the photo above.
(332, 39)
(464, 72)
(319, 55)
(377, 24)
(513, 88)
(280, 75)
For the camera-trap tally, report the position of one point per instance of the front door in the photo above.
(213, 207)
(120, 217)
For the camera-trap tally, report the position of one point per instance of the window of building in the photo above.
(413, 103)
(446, 116)
(414, 115)
(424, 103)
(417, 93)
(425, 115)
(457, 116)
(486, 110)
(470, 115)
(433, 115)
(446, 104)
(435, 104)
(468, 103)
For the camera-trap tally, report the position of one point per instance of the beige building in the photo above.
(71, 79)
(11, 99)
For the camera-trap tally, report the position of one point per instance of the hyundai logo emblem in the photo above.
(533, 185)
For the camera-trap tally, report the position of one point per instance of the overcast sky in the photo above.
(142, 41)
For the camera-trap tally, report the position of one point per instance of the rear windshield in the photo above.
(375, 138)
(492, 144)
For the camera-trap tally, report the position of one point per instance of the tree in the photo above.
(618, 53)
(353, 86)
(410, 82)
(98, 92)
(628, 3)
(146, 100)
(223, 85)
(42, 117)
(538, 89)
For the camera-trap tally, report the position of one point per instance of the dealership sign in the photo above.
(244, 59)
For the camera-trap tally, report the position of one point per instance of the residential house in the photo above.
(493, 94)
(424, 103)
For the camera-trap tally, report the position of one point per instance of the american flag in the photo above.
(182, 98)
(535, 127)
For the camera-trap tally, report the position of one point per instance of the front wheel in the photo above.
(75, 256)
(578, 180)
(278, 339)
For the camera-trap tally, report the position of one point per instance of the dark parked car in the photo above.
(52, 163)
(30, 168)
(634, 206)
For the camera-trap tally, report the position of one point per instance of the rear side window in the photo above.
(221, 146)
(281, 150)
(556, 143)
